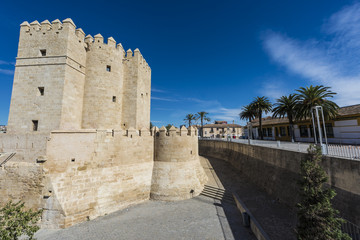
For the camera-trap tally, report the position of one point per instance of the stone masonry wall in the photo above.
(22, 181)
(277, 172)
(27, 146)
(92, 173)
(177, 172)
(104, 80)
(45, 57)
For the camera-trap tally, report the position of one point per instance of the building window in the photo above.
(205, 132)
(276, 132)
(303, 131)
(35, 125)
(282, 131)
(41, 91)
(264, 132)
(269, 132)
(212, 130)
(108, 68)
(43, 52)
(329, 130)
(114, 98)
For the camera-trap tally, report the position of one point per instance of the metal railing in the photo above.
(343, 151)
(7, 159)
(351, 229)
(347, 151)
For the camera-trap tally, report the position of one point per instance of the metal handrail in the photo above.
(7, 159)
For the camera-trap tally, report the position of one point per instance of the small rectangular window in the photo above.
(282, 131)
(108, 68)
(35, 125)
(41, 91)
(43, 52)
(303, 131)
(114, 99)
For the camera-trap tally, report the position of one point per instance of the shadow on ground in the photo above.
(277, 219)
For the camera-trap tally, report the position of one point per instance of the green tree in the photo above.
(168, 126)
(316, 217)
(287, 106)
(316, 96)
(203, 116)
(16, 221)
(189, 118)
(261, 105)
(247, 114)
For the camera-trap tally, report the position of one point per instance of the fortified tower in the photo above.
(64, 80)
(177, 173)
(79, 130)
(49, 77)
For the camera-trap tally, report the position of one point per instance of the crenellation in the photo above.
(35, 25)
(111, 42)
(45, 25)
(68, 23)
(89, 39)
(98, 38)
(80, 33)
(56, 24)
(129, 54)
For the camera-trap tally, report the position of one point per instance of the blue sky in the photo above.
(213, 56)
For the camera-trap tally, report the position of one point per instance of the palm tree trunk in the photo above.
(292, 132)
(201, 127)
(260, 124)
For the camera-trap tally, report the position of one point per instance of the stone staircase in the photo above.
(218, 194)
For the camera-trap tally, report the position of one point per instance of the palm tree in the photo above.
(189, 118)
(287, 106)
(202, 116)
(261, 105)
(248, 114)
(316, 96)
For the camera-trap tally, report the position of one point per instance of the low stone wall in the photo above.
(277, 172)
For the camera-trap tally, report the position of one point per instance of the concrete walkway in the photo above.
(198, 218)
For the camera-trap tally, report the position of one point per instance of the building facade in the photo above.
(344, 129)
(221, 129)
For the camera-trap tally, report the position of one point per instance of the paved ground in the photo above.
(197, 218)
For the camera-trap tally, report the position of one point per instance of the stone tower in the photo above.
(64, 80)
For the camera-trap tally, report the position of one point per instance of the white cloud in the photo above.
(6, 63)
(164, 99)
(157, 90)
(6, 71)
(333, 62)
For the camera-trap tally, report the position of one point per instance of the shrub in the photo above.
(16, 221)
(317, 219)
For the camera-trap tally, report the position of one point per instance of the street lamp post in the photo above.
(317, 109)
